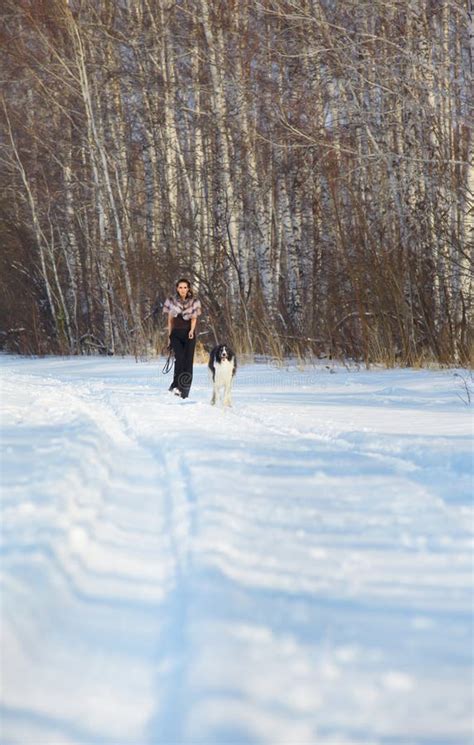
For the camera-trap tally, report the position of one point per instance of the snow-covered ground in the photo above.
(294, 571)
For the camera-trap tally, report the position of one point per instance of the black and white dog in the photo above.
(222, 364)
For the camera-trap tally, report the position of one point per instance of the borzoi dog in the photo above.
(222, 364)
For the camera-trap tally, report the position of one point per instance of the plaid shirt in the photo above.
(189, 308)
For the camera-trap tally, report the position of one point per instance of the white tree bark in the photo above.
(226, 200)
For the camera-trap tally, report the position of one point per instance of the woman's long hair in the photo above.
(190, 292)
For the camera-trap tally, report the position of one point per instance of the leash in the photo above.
(168, 364)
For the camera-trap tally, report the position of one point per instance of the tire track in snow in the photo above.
(174, 651)
(329, 434)
(101, 573)
(167, 725)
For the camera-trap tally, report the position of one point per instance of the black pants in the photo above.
(183, 348)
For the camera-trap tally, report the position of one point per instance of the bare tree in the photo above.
(309, 162)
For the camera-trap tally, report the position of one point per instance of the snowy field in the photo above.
(294, 571)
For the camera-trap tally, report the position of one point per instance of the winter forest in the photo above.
(307, 163)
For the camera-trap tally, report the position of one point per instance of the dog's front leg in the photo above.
(227, 394)
(213, 399)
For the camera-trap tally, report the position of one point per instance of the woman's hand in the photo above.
(191, 335)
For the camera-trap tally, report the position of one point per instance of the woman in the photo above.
(182, 309)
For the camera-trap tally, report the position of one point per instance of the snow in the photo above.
(291, 571)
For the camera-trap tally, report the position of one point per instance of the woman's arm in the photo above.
(169, 319)
(168, 331)
(194, 317)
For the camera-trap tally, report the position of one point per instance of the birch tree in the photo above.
(308, 163)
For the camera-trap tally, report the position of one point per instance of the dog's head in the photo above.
(224, 352)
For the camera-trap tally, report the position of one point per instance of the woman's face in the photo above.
(182, 289)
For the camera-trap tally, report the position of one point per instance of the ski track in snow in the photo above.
(294, 571)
